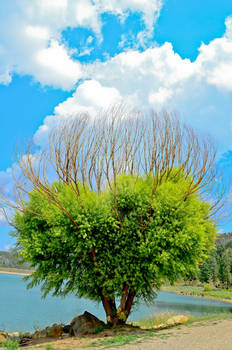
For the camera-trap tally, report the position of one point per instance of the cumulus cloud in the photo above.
(145, 76)
(159, 78)
(215, 60)
(31, 35)
(90, 97)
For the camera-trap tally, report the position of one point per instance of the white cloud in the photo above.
(155, 74)
(159, 78)
(150, 9)
(90, 97)
(31, 35)
(56, 66)
(215, 60)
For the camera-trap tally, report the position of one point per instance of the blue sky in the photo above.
(58, 57)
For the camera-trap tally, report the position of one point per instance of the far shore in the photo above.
(181, 292)
(14, 271)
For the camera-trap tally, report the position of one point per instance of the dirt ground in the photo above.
(210, 335)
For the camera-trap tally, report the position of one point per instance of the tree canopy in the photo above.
(99, 257)
(128, 209)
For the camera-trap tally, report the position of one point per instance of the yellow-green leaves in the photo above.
(130, 235)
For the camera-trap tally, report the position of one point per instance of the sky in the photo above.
(60, 57)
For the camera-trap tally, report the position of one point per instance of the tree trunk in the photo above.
(114, 316)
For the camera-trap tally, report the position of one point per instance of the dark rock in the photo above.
(85, 324)
(25, 341)
(66, 328)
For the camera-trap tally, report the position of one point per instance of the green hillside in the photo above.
(7, 259)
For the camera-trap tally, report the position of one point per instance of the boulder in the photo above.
(3, 337)
(55, 331)
(13, 334)
(85, 324)
(177, 319)
(39, 334)
(25, 340)
(159, 326)
(66, 328)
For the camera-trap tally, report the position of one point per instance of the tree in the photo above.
(128, 208)
(209, 269)
(224, 253)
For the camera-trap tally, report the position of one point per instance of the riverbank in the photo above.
(198, 291)
(204, 333)
(14, 271)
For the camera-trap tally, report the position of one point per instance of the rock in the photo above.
(3, 337)
(66, 328)
(177, 319)
(159, 326)
(39, 334)
(25, 341)
(55, 331)
(85, 324)
(27, 334)
(13, 334)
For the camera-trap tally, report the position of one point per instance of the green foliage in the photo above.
(207, 288)
(218, 267)
(10, 345)
(163, 239)
(209, 269)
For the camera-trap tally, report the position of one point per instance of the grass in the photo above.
(144, 331)
(117, 340)
(151, 321)
(140, 331)
(49, 347)
(216, 293)
(10, 345)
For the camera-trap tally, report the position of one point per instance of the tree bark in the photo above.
(110, 309)
(129, 302)
(118, 316)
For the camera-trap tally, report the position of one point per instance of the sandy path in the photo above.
(211, 335)
(208, 336)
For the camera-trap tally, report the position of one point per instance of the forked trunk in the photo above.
(114, 316)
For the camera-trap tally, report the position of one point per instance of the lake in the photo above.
(24, 310)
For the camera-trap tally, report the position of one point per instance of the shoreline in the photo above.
(197, 296)
(13, 271)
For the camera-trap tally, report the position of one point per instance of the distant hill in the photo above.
(8, 260)
(224, 238)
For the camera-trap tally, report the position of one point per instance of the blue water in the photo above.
(24, 310)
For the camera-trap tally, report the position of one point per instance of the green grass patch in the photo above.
(156, 320)
(115, 341)
(216, 293)
(10, 345)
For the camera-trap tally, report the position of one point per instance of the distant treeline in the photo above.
(8, 259)
(217, 269)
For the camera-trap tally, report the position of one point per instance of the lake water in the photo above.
(24, 310)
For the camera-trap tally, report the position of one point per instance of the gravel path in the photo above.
(211, 335)
(206, 336)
